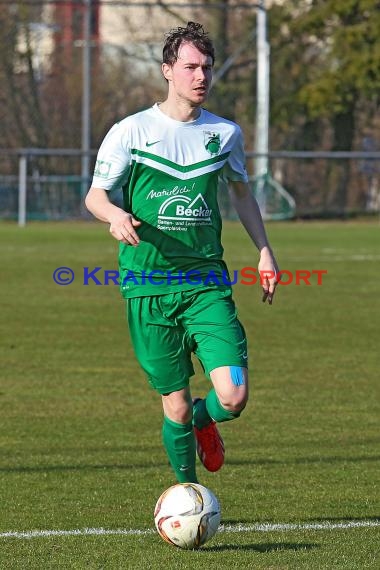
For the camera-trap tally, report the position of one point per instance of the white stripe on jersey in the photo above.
(181, 144)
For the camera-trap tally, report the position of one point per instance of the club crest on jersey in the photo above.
(212, 142)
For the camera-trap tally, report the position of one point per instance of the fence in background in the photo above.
(45, 184)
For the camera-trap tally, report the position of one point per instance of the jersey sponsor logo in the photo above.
(170, 191)
(212, 142)
(102, 169)
(152, 143)
(180, 212)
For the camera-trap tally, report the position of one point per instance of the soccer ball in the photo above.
(187, 515)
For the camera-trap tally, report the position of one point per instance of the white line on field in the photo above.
(264, 527)
(271, 527)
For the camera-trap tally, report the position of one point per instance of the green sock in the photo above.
(211, 409)
(179, 442)
(201, 417)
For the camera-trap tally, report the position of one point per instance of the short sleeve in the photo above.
(113, 160)
(235, 167)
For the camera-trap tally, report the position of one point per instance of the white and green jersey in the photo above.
(169, 172)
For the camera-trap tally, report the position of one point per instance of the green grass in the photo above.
(77, 448)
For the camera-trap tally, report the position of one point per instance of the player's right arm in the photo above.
(122, 224)
(111, 172)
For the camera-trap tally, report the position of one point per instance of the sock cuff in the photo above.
(178, 426)
(216, 410)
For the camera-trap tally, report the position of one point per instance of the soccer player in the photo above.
(168, 159)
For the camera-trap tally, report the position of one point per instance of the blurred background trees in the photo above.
(325, 76)
(325, 69)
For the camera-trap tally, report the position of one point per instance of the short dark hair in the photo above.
(195, 34)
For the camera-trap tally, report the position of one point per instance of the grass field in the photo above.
(80, 443)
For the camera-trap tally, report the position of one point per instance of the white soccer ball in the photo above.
(187, 515)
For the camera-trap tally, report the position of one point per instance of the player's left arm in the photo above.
(250, 216)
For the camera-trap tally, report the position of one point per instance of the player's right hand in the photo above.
(122, 228)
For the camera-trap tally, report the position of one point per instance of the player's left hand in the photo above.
(268, 270)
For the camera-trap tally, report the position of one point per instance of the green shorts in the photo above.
(166, 329)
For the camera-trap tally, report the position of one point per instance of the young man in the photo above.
(168, 160)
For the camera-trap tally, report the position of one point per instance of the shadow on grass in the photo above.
(55, 468)
(304, 460)
(295, 461)
(261, 547)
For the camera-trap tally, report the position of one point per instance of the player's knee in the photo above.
(236, 401)
(242, 402)
(234, 393)
(238, 395)
(183, 414)
(180, 412)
